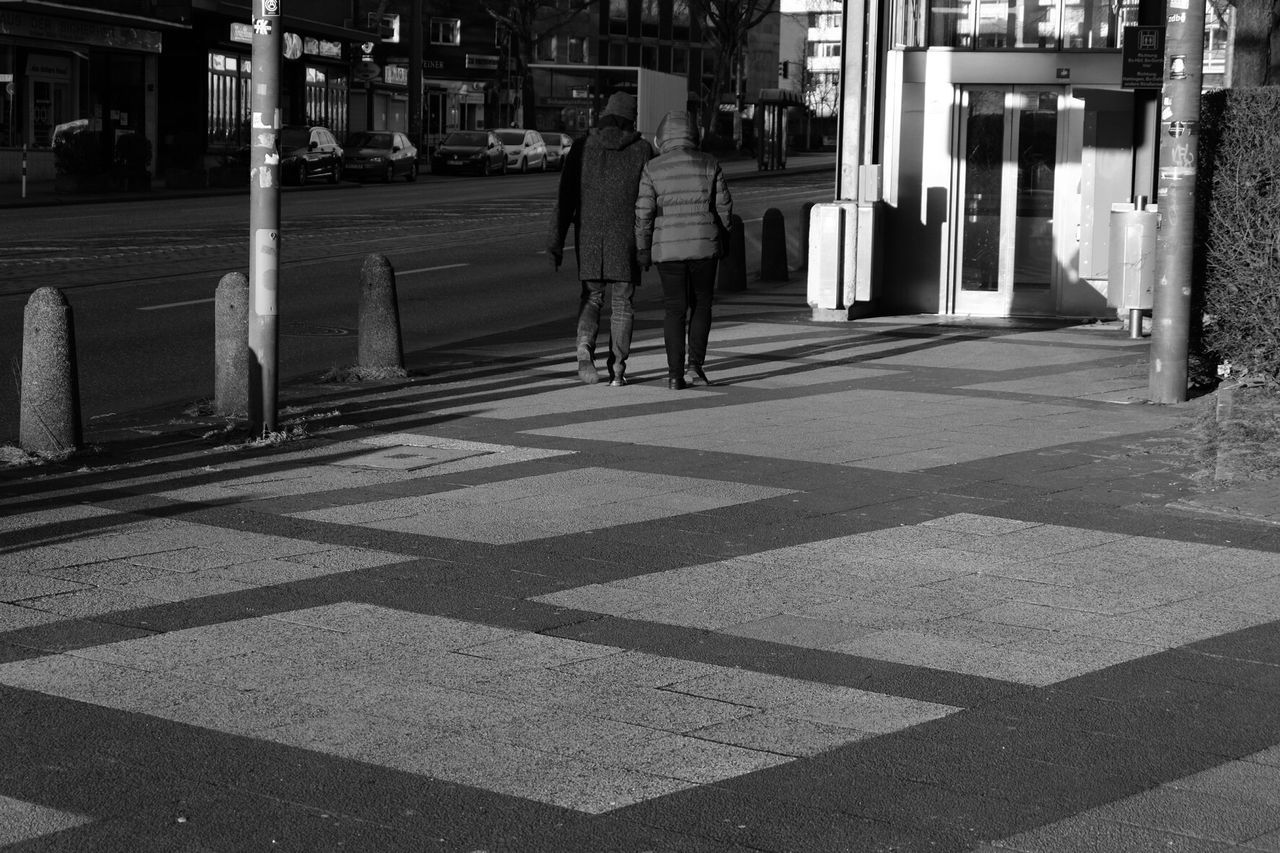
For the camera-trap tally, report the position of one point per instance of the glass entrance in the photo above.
(1012, 143)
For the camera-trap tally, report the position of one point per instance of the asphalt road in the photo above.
(140, 276)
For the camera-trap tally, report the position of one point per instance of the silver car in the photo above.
(526, 150)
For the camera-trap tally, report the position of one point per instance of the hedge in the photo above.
(1239, 224)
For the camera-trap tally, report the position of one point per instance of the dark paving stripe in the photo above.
(911, 682)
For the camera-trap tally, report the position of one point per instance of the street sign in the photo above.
(1142, 58)
(366, 71)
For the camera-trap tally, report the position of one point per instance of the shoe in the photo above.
(676, 383)
(587, 373)
(618, 381)
(697, 377)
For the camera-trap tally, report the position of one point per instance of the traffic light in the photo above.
(783, 68)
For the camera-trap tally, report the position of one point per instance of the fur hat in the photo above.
(621, 105)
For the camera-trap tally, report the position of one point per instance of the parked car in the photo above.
(381, 154)
(478, 151)
(525, 148)
(558, 145)
(307, 153)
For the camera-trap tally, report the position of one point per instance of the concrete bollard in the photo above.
(378, 327)
(773, 247)
(49, 416)
(231, 345)
(731, 276)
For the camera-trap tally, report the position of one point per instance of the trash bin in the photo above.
(1131, 261)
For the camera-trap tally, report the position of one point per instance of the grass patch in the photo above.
(1241, 435)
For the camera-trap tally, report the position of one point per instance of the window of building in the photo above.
(547, 49)
(680, 20)
(679, 60)
(1012, 24)
(649, 56)
(649, 17)
(446, 31)
(619, 13)
(617, 53)
(228, 112)
(326, 95)
(9, 133)
(577, 48)
(826, 48)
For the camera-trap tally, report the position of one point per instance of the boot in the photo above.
(587, 372)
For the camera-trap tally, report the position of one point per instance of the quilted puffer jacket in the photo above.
(682, 192)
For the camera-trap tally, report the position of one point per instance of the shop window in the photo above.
(446, 31)
(228, 111)
(326, 99)
(10, 135)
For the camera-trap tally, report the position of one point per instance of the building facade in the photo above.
(1004, 134)
(62, 66)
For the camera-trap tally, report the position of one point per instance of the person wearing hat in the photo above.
(597, 197)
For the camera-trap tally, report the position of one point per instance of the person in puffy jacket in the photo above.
(597, 197)
(683, 205)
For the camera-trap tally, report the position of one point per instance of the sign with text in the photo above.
(1142, 58)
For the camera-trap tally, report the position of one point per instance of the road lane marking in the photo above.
(432, 269)
(174, 304)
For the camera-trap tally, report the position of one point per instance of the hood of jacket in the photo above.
(675, 131)
(613, 138)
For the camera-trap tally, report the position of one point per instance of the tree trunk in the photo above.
(1251, 56)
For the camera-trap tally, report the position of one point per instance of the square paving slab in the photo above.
(579, 725)
(1017, 601)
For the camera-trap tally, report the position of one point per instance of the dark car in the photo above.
(477, 151)
(381, 154)
(308, 153)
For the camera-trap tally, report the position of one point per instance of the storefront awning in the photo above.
(81, 13)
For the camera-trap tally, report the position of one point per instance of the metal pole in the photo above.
(24, 170)
(1176, 196)
(415, 78)
(264, 215)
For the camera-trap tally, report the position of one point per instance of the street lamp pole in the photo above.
(1176, 195)
(264, 214)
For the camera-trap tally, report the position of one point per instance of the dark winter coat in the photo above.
(598, 197)
(682, 193)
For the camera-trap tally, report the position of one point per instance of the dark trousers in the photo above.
(686, 300)
(621, 320)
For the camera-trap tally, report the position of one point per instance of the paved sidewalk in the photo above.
(906, 583)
